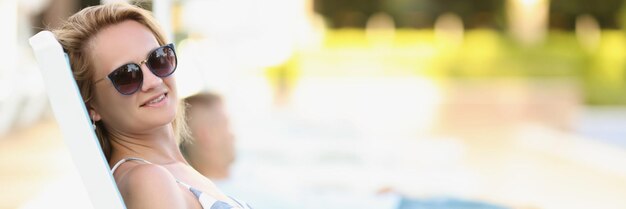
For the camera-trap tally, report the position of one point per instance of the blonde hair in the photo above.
(75, 36)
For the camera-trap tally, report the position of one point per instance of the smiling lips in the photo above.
(155, 102)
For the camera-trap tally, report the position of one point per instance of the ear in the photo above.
(93, 113)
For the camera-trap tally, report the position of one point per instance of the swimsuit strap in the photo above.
(126, 160)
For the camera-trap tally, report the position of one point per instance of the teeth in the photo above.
(158, 99)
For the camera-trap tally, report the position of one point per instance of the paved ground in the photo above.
(30, 159)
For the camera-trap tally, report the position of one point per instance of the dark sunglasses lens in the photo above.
(127, 79)
(162, 62)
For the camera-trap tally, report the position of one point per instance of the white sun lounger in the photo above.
(73, 119)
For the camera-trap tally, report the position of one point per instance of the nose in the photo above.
(150, 80)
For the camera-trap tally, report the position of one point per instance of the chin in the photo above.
(154, 122)
(166, 117)
(160, 117)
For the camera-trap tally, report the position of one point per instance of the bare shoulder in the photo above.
(148, 186)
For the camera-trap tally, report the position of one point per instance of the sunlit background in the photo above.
(520, 103)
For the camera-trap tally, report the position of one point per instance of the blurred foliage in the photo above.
(604, 75)
(563, 13)
(411, 13)
(483, 53)
(475, 13)
(485, 50)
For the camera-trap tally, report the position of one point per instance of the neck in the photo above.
(157, 146)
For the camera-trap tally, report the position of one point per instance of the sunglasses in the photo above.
(128, 78)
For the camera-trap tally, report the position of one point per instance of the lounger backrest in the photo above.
(74, 122)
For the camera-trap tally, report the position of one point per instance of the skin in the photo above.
(142, 131)
(213, 150)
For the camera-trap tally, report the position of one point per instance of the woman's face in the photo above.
(153, 105)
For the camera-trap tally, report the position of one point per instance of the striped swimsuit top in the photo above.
(206, 201)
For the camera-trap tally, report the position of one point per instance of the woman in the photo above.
(123, 67)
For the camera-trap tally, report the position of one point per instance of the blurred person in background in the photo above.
(211, 151)
(123, 66)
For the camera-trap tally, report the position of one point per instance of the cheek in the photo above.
(112, 106)
(170, 82)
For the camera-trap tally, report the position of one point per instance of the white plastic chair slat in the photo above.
(74, 122)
